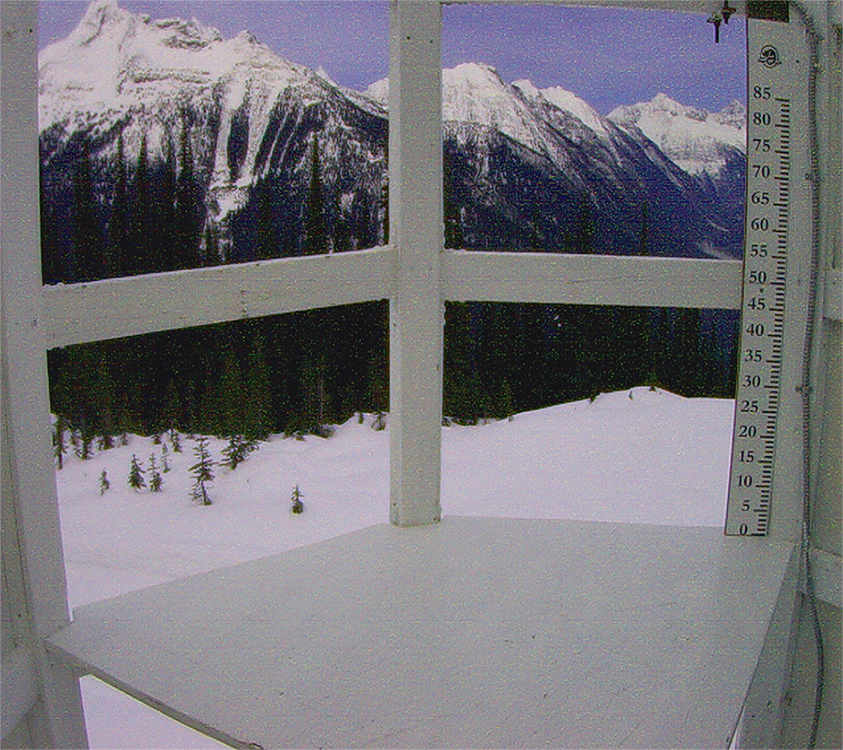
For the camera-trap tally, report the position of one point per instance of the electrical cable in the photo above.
(814, 40)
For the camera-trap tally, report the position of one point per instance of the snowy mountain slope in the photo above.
(635, 456)
(249, 111)
(576, 157)
(528, 167)
(511, 145)
(697, 140)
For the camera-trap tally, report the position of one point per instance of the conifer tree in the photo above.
(136, 472)
(235, 452)
(104, 402)
(585, 227)
(136, 257)
(506, 406)
(644, 239)
(231, 397)
(51, 266)
(156, 482)
(86, 242)
(118, 225)
(258, 405)
(86, 449)
(265, 240)
(59, 446)
(105, 442)
(165, 230)
(187, 203)
(211, 246)
(298, 505)
(165, 456)
(315, 233)
(383, 234)
(202, 472)
(104, 483)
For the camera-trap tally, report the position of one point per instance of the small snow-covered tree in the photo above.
(86, 450)
(104, 483)
(202, 472)
(237, 451)
(175, 440)
(298, 505)
(165, 456)
(234, 453)
(155, 482)
(136, 472)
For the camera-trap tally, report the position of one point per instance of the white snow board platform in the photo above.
(475, 632)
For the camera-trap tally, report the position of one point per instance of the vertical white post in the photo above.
(56, 718)
(416, 230)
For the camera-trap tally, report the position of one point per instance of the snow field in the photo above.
(636, 456)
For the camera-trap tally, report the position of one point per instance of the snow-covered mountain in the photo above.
(117, 67)
(695, 139)
(512, 145)
(523, 167)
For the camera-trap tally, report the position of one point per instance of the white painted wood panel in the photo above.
(416, 308)
(591, 279)
(30, 495)
(112, 308)
(474, 632)
(20, 688)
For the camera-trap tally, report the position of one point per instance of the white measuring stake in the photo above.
(767, 444)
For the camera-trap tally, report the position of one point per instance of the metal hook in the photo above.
(716, 19)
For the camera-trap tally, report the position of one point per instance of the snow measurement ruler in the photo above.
(777, 246)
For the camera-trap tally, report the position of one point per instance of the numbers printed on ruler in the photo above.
(762, 314)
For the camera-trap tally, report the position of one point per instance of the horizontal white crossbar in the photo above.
(591, 279)
(113, 308)
(19, 688)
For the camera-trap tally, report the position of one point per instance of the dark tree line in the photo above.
(501, 358)
(151, 219)
(291, 373)
(300, 372)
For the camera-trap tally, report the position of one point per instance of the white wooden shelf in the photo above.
(474, 632)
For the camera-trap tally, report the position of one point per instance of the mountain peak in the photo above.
(117, 61)
(98, 15)
(475, 93)
(578, 107)
(697, 140)
(475, 72)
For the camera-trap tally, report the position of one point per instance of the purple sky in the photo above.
(606, 56)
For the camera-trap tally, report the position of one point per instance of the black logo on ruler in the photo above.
(769, 56)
